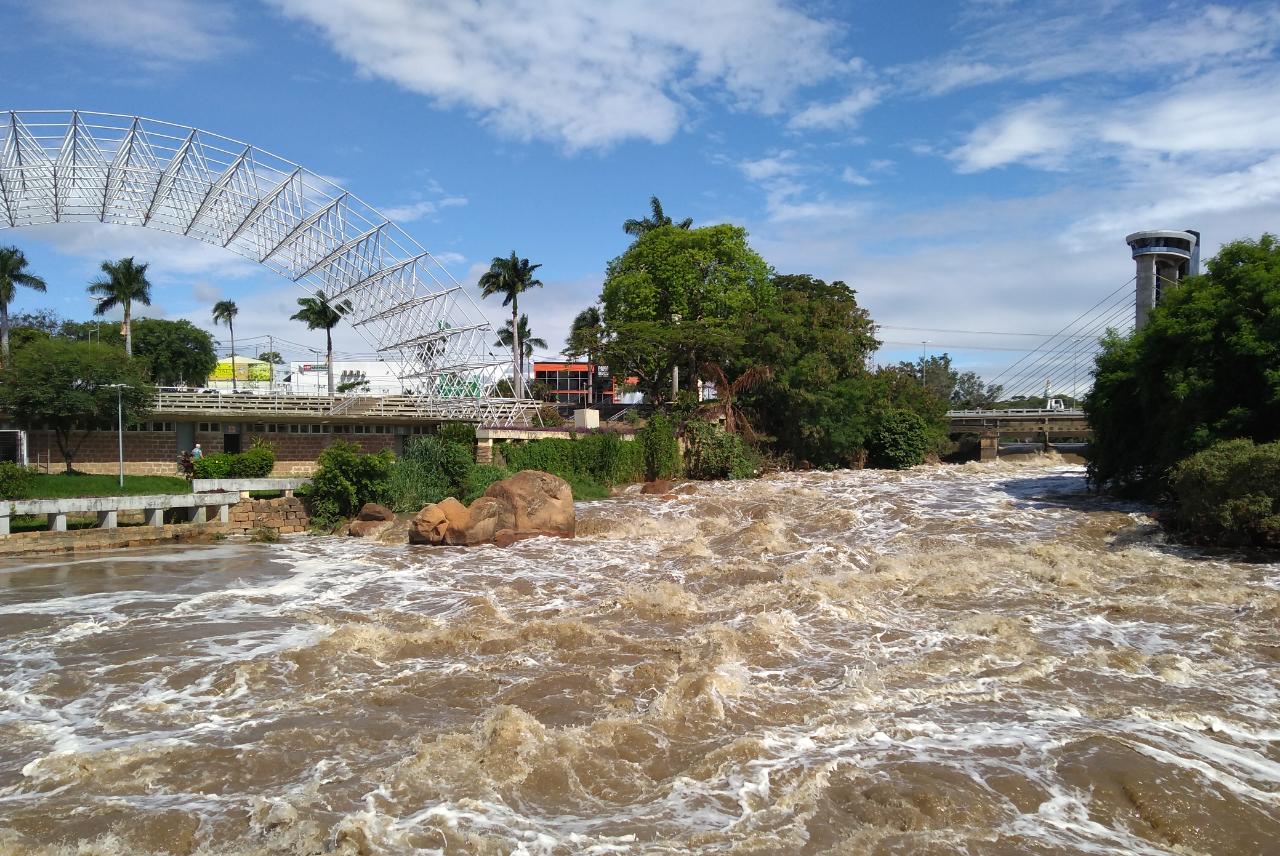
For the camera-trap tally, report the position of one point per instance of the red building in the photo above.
(569, 383)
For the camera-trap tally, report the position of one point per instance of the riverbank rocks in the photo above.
(526, 505)
(371, 520)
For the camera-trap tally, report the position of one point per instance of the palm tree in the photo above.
(13, 272)
(656, 219)
(527, 340)
(727, 392)
(318, 314)
(224, 312)
(510, 277)
(125, 283)
(584, 338)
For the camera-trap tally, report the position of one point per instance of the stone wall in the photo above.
(36, 543)
(283, 516)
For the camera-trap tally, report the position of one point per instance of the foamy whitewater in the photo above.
(976, 659)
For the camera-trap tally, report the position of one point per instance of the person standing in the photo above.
(197, 453)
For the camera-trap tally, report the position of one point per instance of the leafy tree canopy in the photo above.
(175, 353)
(1205, 368)
(65, 386)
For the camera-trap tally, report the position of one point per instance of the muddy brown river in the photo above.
(979, 659)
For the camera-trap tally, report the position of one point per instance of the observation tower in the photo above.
(1163, 259)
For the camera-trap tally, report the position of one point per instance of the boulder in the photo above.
(657, 486)
(542, 503)
(371, 520)
(526, 505)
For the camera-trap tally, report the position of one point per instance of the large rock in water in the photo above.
(526, 505)
(371, 519)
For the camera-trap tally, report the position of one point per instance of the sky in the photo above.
(970, 168)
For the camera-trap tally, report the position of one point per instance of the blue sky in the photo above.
(969, 166)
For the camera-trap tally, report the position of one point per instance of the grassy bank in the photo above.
(63, 486)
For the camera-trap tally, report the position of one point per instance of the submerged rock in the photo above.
(526, 505)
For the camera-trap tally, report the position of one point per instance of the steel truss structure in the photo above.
(64, 166)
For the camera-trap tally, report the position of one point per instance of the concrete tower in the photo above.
(1163, 259)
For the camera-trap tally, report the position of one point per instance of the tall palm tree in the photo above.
(656, 219)
(727, 391)
(13, 272)
(527, 340)
(125, 284)
(584, 339)
(511, 277)
(318, 314)
(225, 312)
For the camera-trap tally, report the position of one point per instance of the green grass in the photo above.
(63, 486)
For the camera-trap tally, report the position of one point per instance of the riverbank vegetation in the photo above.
(1186, 411)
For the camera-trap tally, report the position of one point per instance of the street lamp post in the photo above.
(924, 362)
(119, 388)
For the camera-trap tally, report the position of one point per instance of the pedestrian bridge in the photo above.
(1031, 425)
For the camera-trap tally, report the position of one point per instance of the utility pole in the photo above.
(924, 362)
(675, 371)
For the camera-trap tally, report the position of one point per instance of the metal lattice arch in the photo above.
(69, 166)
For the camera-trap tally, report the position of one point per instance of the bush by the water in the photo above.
(462, 433)
(431, 469)
(482, 475)
(15, 481)
(1230, 494)
(713, 453)
(661, 451)
(590, 463)
(899, 440)
(346, 479)
(255, 463)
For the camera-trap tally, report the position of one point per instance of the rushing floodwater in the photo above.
(975, 659)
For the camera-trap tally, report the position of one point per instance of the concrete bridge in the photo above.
(1043, 426)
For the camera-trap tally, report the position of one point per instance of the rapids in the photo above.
(979, 659)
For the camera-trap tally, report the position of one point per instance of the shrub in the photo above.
(346, 480)
(550, 416)
(590, 463)
(431, 469)
(214, 466)
(1229, 494)
(661, 452)
(15, 482)
(900, 440)
(462, 433)
(256, 463)
(713, 453)
(483, 475)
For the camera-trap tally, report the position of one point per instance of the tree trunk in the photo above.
(517, 378)
(128, 331)
(4, 331)
(328, 345)
(64, 446)
(232, 328)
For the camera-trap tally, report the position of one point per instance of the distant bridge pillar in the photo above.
(989, 446)
(1163, 259)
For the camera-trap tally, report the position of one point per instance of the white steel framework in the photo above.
(63, 166)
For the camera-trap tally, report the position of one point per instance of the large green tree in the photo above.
(819, 403)
(175, 353)
(677, 297)
(225, 312)
(319, 314)
(124, 284)
(656, 218)
(511, 277)
(13, 273)
(66, 386)
(1205, 368)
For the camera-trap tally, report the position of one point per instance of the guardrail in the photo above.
(108, 508)
(243, 487)
(1027, 411)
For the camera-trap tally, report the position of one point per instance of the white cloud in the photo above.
(1039, 132)
(170, 256)
(584, 73)
(763, 169)
(844, 113)
(852, 176)
(167, 30)
(1044, 41)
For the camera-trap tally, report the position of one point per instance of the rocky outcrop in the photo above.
(371, 520)
(526, 505)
